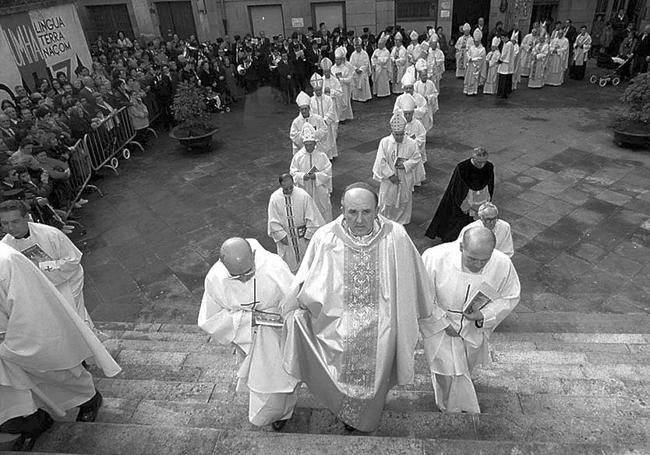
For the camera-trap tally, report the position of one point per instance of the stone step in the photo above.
(517, 322)
(124, 396)
(114, 439)
(230, 413)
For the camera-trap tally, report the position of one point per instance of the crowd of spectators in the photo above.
(39, 128)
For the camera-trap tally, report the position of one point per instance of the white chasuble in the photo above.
(352, 318)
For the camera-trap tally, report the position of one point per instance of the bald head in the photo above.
(359, 206)
(477, 247)
(237, 256)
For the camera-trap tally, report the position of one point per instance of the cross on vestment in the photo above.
(295, 232)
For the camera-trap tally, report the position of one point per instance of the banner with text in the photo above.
(40, 43)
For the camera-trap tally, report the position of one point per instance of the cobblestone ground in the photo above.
(579, 205)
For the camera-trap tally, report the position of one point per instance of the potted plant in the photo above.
(632, 128)
(194, 129)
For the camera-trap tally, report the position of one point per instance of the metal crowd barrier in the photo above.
(111, 137)
(80, 173)
(153, 106)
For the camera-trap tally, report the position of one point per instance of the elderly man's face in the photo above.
(408, 115)
(489, 220)
(408, 89)
(4, 121)
(479, 161)
(304, 111)
(359, 211)
(473, 258)
(398, 136)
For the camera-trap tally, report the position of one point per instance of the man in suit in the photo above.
(619, 24)
(642, 57)
(8, 133)
(87, 92)
(570, 33)
(164, 90)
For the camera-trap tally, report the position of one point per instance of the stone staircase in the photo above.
(564, 387)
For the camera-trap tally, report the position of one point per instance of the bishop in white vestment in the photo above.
(242, 290)
(344, 72)
(305, 116)
(353, 314)
(465, 277)
(323, 105)
(415, 130)
(292, 219)
(312, 171)
(395, 169)
(50, 250)
(399, 59)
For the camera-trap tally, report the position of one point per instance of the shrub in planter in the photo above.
(634, 117)
(190, 111)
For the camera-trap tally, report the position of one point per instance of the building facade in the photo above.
(209, 19)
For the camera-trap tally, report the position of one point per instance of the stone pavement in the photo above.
(579, 206)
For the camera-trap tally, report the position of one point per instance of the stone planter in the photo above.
(202, 143)
(624, 138)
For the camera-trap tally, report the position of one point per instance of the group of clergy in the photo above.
(46, 334)
(347, 322)
(542, 57)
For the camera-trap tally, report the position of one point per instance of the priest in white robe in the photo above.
(478, 287)
(43, 343)
(463, 44)
(395, 169)
(415, 130)
(427, 89)
(323, 106)
(490, 68)
(353, 314)
(50, 250)
(240, 308)
(436, 62)
(539, 58)
(558, 58)
(475, 60)
(360, 78)
(399, 59)
(344, 72)
(292, 219)
(305, 116)
(381, 69)
(312, 171)
(526, 52)
(488, 216)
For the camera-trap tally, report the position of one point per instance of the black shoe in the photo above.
(278, 425)
(30, 429)
(349, 428)
(88, 411)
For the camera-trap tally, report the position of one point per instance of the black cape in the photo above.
(449, 219)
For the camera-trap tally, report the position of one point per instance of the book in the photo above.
(267, 319)
(36, 254)
(480, 298)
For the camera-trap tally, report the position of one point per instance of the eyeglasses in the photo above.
(247, 274)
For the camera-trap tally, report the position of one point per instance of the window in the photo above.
(416, 9)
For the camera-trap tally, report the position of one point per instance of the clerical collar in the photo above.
(26, 236)
(364, 239)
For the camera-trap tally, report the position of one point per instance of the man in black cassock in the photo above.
(471, 184)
